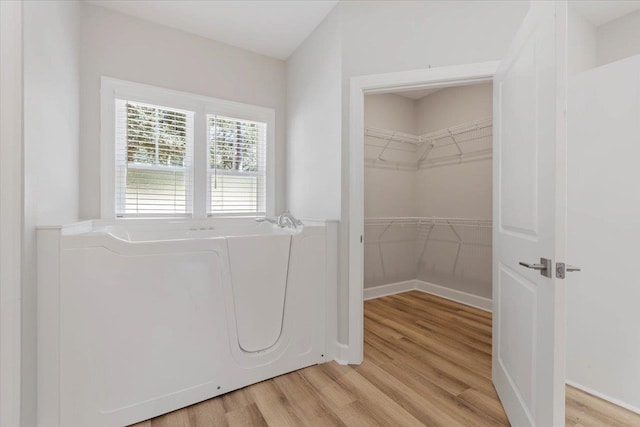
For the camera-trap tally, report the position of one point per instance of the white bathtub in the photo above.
(140, 318)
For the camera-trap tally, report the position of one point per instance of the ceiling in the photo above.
(269, 27)
(599, 12)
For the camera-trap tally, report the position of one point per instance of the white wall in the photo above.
(390, 111)
(11, 209)
(123, 47)
(385, 36)
(460, 191)
(313, 117)
(619, 39)
(463, 190)
(51, 147)
(581, 43)
(603, 212)
(453, 106)
(389, 192)
(593, 46)
(604, 104)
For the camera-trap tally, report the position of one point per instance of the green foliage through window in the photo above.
(233, 144)
(156, 136)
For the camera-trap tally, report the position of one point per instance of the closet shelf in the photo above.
(466, 142)
(460, 232)
(428, 220)
(390, 135)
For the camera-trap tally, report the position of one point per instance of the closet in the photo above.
(428, 193)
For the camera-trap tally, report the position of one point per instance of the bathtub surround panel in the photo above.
(139, 329)
(259, 289)
(141, 319)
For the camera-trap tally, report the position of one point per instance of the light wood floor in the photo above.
(427, 362)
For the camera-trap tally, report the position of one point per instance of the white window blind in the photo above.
(236, 166)
(154, 160)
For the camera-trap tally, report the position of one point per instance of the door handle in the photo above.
(544, 267)
(533, 266)
(562, 269)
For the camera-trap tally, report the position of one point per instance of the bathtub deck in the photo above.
(427, 362)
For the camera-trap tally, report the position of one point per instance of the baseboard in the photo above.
(603, 396)
(390, 289)
(429, 288)
(342, 354)
(455, 295)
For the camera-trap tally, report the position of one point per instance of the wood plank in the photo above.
(357, 414)
(427, 362)
(248, 415)
(588, 410)
(306, 404)
(237, 399)
(178, 418)
(410, 316)
(380, 406)
(424, 400)
(208, 413)
(418, 368)
(329, 391)
(274, 406)
(486, 404)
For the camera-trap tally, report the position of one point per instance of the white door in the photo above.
(529, 200)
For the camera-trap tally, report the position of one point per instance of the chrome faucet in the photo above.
(287, 219)
(283, 221)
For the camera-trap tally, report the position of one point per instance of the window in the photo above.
(167, 153)
(154, 160)
(236, 166)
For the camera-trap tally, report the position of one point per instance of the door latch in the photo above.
(562, 269)
(544, 267)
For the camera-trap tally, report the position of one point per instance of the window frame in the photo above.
(112, 89)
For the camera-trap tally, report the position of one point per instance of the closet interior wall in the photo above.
(428, 222)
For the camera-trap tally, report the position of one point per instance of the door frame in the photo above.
(11, 209)
(455, 75)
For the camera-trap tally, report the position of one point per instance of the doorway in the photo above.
(595, 90)
(428, 193)
(429, 79)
